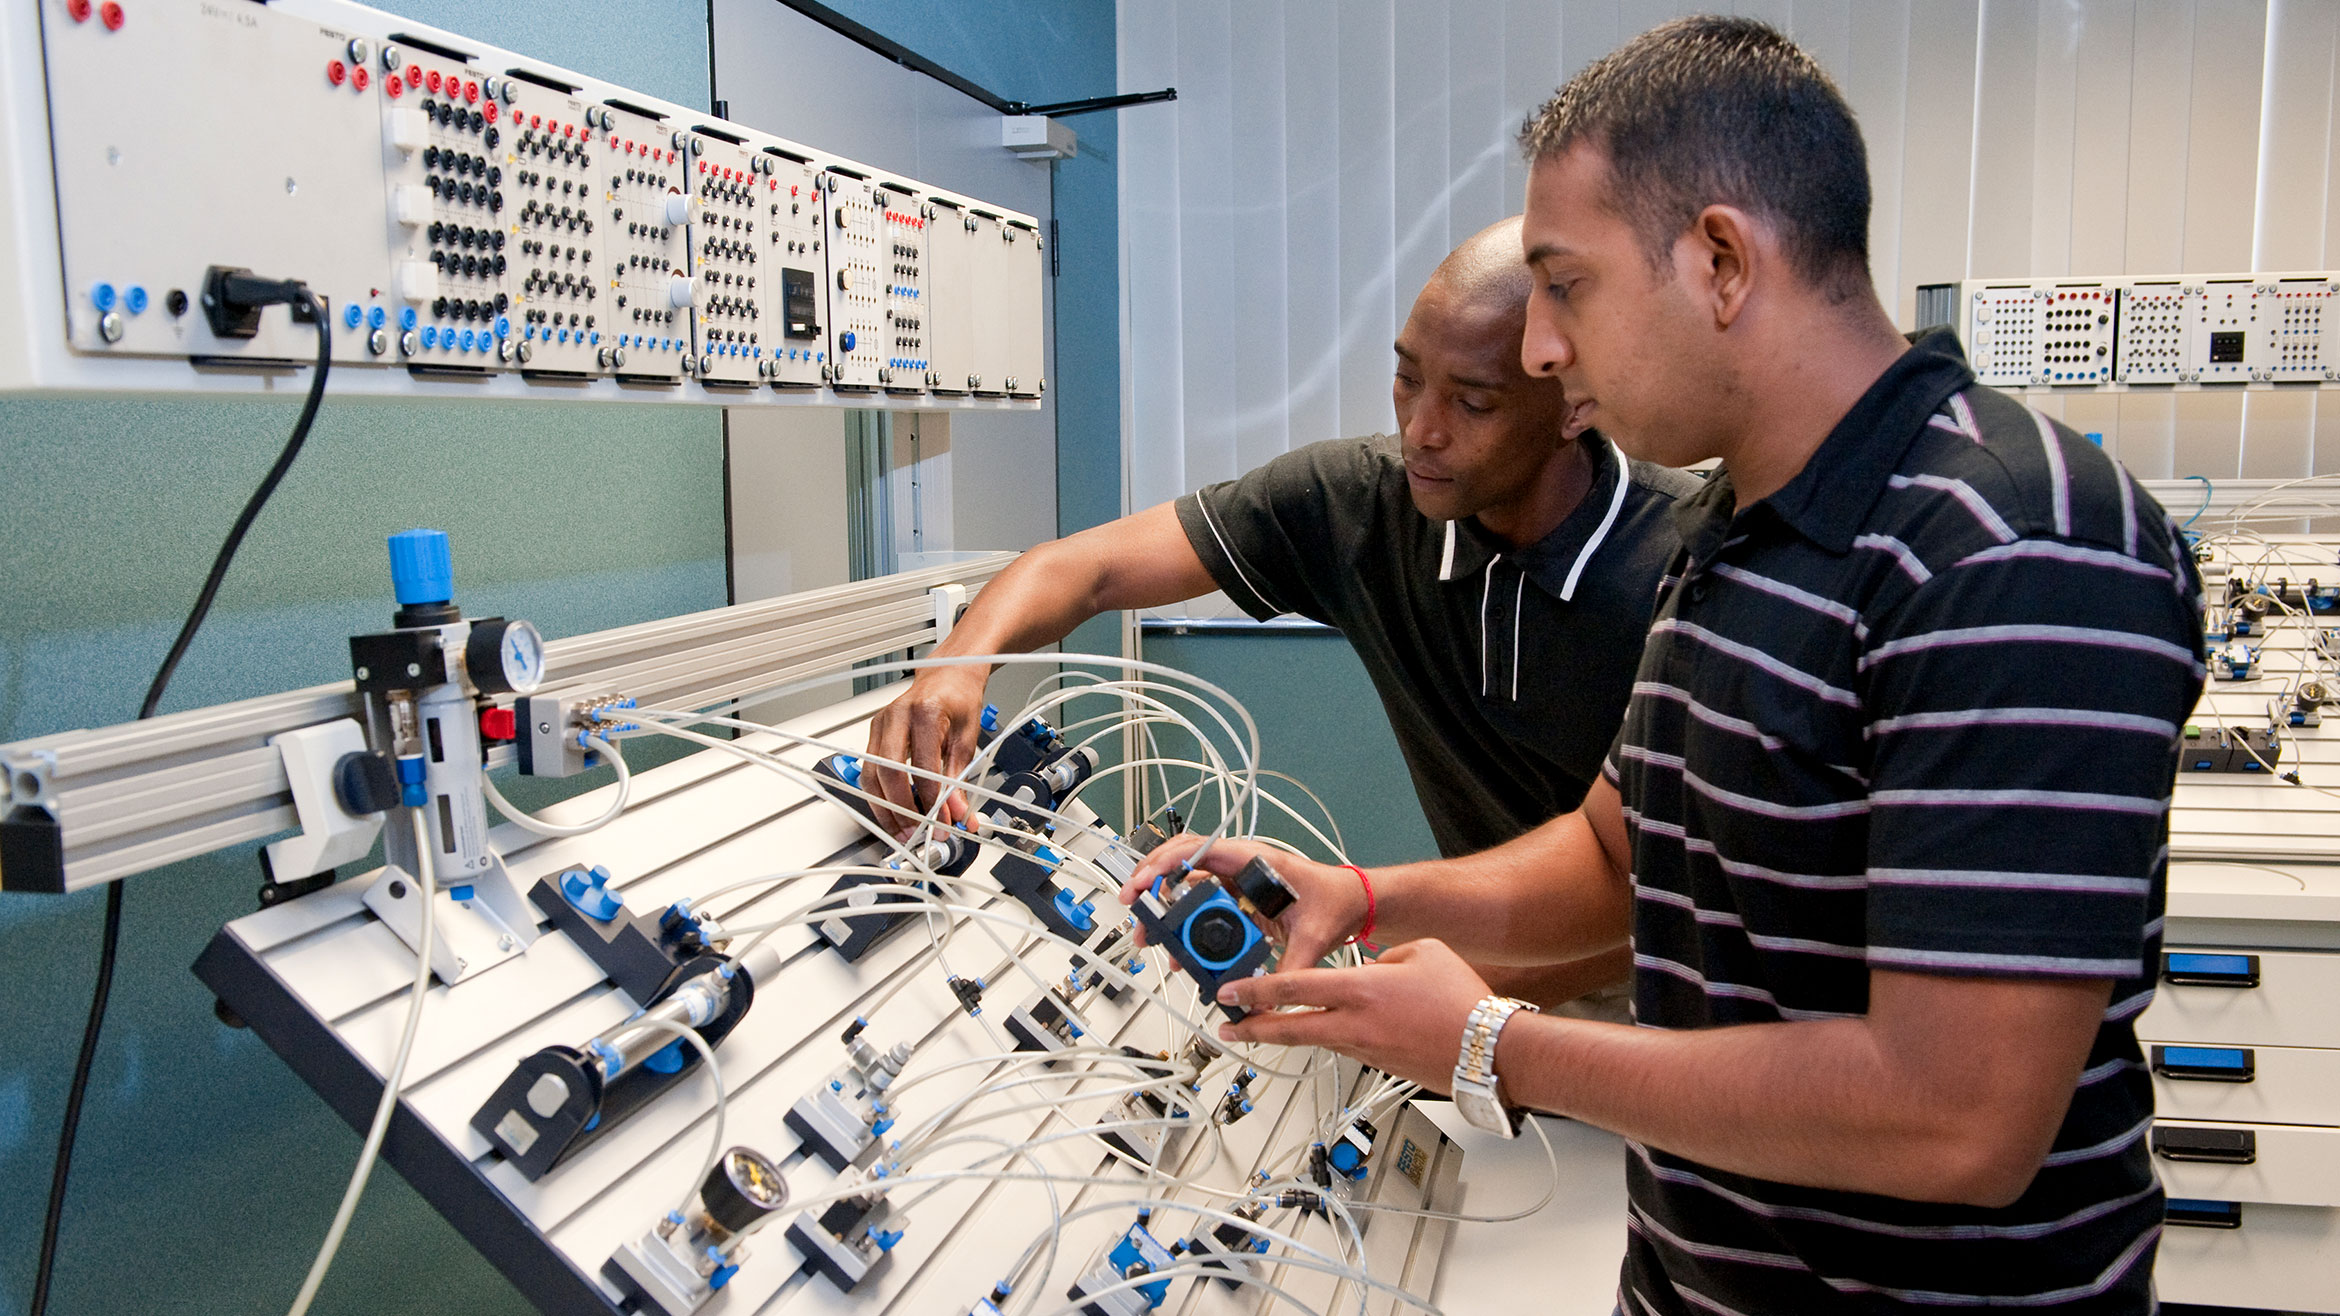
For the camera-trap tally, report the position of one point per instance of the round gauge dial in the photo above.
(504, 657)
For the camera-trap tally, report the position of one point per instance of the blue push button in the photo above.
(2193, 969)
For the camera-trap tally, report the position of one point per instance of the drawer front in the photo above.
(2282, 1257)
(2284, 1164)
(2245, 1084)
(2290, 1001)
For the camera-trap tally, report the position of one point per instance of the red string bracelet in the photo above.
(1371, 906)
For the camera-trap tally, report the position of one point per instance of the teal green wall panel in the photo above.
(1319, 721)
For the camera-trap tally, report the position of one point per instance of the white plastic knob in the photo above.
(681, 291)
(418, 281)
(407, 130)
(678, 209)
(411, 204)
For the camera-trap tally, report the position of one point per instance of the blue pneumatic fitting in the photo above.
(608, 1055)
(588, 890)
(134, 300)
(1081, 914)
(352, 315)
(722, 1274)
(410, 782)
(991, 717)
(885, 1238)
(422, 570)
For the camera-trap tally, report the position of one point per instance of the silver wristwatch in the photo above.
(1476, 1095)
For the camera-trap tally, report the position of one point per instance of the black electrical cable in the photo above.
(111, 941)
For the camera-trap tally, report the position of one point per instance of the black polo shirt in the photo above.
(1917, 710)
(1503, 671)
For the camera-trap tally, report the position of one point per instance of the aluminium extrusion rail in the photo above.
(95, 806)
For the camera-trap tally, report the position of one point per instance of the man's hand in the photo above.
(933, 726)
(1402, 1014)
(1328, 905)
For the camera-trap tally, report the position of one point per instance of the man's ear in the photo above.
(1724, 257)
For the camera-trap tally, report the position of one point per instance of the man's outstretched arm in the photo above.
(1140, 561)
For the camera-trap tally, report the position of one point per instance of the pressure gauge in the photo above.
(504, 657)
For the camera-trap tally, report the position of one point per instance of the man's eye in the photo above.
(1408, 381)
(1473, 408)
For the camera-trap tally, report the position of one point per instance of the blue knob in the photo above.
(421, 568)
(845, 342)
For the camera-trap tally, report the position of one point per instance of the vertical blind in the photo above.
(1278, 218)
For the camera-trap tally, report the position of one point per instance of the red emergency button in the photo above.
(498, 724)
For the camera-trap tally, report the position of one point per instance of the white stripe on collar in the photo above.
(1446, 559)
(1600, 532)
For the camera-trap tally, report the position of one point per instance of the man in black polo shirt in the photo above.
(1494, 569)
(1887, 818)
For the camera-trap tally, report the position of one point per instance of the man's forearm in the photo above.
(1864, 1105)
(1023, 608)
(1547, 896)
(1140, 561)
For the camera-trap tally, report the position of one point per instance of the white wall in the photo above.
(1279, 217)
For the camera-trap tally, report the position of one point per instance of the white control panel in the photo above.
(2179, 332)
(476, 223)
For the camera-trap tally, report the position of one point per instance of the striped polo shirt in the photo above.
(1917, 710)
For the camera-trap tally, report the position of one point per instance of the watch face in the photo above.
(522, 657)
(1482, 1110)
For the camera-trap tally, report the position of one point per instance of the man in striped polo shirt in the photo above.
(1887, 819)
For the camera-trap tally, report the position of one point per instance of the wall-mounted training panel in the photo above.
(2180, 331)
(477, 223)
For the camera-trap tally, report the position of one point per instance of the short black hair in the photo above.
(1713, 110)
